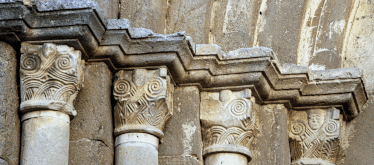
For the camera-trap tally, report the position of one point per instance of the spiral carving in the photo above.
(122, 86)
(331, 127)
(30, 62)
(64, 62)
(297, 128)
(155, 86)
(238, 107)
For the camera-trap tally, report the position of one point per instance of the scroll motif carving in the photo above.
(228, 122)
(144, 101)
(51, 76)
(317, 140)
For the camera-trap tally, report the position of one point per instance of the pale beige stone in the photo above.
(316, 135)
(51, 76)
(228, 123)
(144, 104)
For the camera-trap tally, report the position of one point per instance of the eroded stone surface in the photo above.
(9, 103)
(191, 16)
(232, 23)
(278, 27)
(148, 14)
(360, 133)
(182, 141)
(91, 136)
(110, 8)
(271, 146)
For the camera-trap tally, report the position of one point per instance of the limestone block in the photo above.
(228, 122)
(9, 103)
(110, 8)
(271, 146)
(316, 136)
(359, 45)
(191, 16)
(322, 33)
(144, 101)
(278, 27)
(91, 131)
(148, 14)
(94, 152)
(182, 141)
(233, 23)
(360, 137)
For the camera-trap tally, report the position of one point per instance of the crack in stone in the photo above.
(89, 140)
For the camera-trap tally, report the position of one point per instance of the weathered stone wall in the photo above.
(182, 143)
(9, 104)
(322, 34)
(271, 145)
(313, 33)
(91, 130)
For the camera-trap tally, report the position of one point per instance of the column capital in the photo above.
(228, 122)
(51, 76)
(316, 135)
(144, 101)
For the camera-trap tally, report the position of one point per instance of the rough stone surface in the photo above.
(9, 103)
(359, 50)
(3, 162)
(45, 141)
(91, 139)
(191, 16)
(361, 129)
(110, 8)
(182, 143)
(271, 146)
(278, 27)
(233, 23)
(148, 14)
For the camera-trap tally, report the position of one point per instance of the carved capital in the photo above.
(228, 122)
(316, 136)
(51, 76)
(144, 101)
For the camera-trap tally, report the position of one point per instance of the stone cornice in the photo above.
(82, 26)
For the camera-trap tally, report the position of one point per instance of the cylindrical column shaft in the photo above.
(136, 148)
(226, 159)
(45, 138)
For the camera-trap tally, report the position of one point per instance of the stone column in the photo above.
(316, 136)
(229, 127)
(51, 76)
(144, 104)
(9, 104)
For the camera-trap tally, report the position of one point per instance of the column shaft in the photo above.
(226, 159)
(136, 148)
(45, 138)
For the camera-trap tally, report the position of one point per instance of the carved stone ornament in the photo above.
(316, 136)
(144, 101)
(228, 122)
(51, 76)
